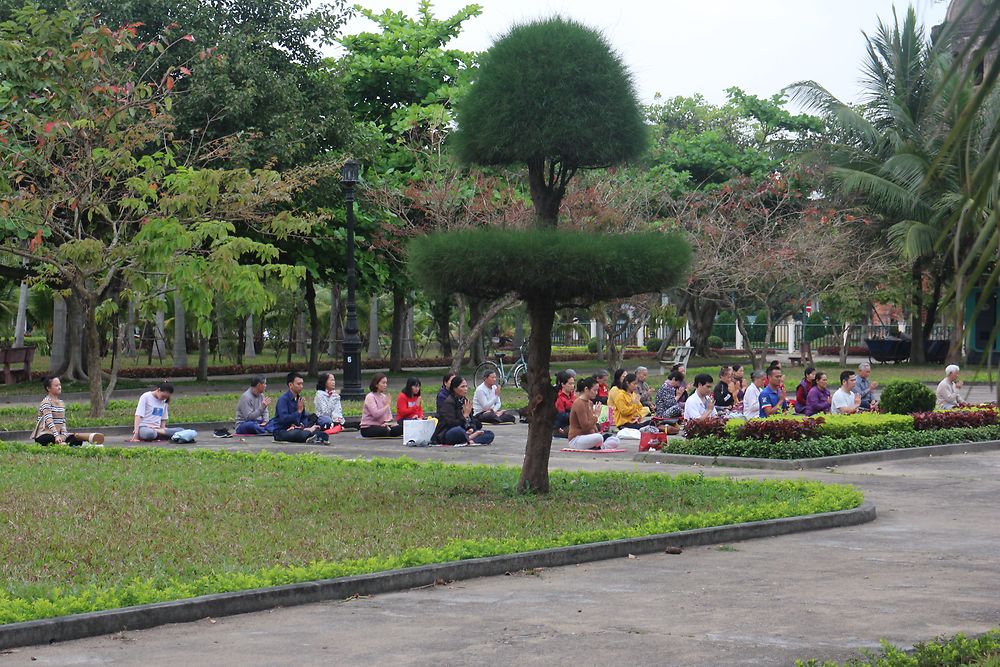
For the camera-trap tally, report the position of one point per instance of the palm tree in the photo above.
(888, 150)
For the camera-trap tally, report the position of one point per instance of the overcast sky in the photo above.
(683, 47)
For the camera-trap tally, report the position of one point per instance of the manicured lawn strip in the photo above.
(829, 446)
(83, 530)
(958, 651)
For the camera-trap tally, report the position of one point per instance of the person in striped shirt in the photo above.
(51, 425)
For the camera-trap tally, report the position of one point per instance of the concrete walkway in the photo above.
(928, 565)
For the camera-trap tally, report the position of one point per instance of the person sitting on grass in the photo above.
(701, 403)
(949, 390)
(486, 405)
(629, 411)
(751, 399)
(565, 398)
(772, 397)
(151, 414)
(50, 428)
(329, 410)
(667, 404)
(864, 387)
(645, 393)
(292, 423)
(602, 386)
(845, 401)
(409, 405)
(443, 392)
(251, 409)
(802, 391)
(456, 425)
(724, 398)
(376, 414)
(616, 385)
(818, 400)
(583, 416)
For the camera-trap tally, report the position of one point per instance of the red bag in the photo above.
(652, 440)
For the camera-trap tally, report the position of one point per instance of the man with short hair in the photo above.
(292, 423)
(667, 404)
(645, 393)
(864, 387)
(151, 414)
(251, 409)
(751, 398)
(772, 397)
(701, 404)
(486, 402)
(949, 393)
(845, 401)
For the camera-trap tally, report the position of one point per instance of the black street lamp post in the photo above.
(352, 389)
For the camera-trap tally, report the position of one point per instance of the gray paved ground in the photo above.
(928, 565)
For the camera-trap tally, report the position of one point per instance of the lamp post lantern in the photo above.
(352, 389)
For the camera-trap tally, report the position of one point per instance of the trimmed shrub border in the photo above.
(140, 617)
(823, 461)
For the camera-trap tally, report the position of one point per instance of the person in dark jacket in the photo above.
(456, 426)
(291, 422)
(443, 392)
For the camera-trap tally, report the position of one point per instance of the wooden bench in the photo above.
(681, 355)
(794, 361)
(16, 355)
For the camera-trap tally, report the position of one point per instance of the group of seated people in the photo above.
(854, 395)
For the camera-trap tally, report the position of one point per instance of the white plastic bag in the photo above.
(418, 431)
(629, 434)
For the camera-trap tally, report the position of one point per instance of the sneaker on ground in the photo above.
(223, 433)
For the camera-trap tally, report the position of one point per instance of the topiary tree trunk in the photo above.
(542, 398)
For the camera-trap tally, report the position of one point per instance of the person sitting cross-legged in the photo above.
(486, 405)
(668, 405)
(646, 396)
(949, 390)
(251, 409)
(456, 424)
(629, 411)
(409, 405)
(376, 413)
(443, 393)
(725, 400)
(583, 416)
(701, 404)
(50, 428)
(151, 414)
(751, 397)
(845, 401)
(292, 423)
(772, 397)
(329, 410)
(819, 397)
(864, 386)
(802, 391)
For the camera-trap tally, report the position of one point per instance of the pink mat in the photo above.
(593, 451)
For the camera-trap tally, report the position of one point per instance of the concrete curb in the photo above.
(821, 462)
(224, 604)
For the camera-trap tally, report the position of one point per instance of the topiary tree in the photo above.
(551, 95)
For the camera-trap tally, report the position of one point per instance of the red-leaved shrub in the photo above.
(781, 430)
(925, 421)
(702, 428)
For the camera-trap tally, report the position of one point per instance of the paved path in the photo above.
(928, 565)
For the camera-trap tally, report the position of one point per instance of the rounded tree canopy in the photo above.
(551, 90)
(562, 266)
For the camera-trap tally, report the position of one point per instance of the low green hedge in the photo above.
(959, 651)
(828, 445)
(843, 426)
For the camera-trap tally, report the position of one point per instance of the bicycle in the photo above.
(516, 373)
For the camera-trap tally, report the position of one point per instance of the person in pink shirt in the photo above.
(376, 415)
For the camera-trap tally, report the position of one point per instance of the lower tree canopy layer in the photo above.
(566, 267)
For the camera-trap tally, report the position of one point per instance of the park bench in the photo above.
(681, 354)
(10, 356)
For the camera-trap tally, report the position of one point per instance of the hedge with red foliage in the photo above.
(703, 428)
(781, 430)
(925, 421)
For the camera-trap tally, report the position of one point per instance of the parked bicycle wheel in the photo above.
(520, 376)
(481, 371)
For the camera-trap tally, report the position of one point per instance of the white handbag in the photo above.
(418, 431)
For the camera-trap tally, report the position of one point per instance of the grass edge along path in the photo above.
(957, 651)
(793, 498)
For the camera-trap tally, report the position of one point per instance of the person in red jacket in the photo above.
(565, 397)
(409, 405)
(602, 386)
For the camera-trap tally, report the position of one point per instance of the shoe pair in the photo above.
(222, 433)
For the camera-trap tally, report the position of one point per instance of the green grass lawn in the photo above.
(100, 528)
(957, 651)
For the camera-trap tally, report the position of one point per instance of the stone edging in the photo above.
(821, 462)
(90, 624)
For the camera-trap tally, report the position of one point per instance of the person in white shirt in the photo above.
(151, 414)
(700, 404)
(845, 401)
(751, 398)
(949, 394)
(486, 402)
